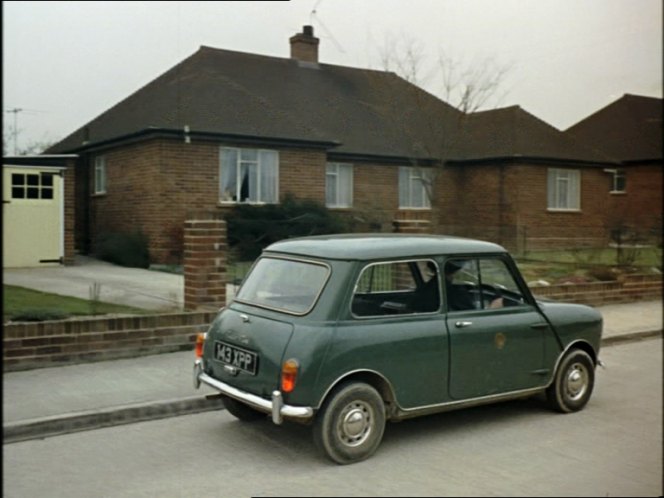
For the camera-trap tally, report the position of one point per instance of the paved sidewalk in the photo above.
(56, 400)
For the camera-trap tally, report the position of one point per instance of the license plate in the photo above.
(247, 361)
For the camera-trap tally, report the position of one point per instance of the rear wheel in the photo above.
(241, 411)
(573, 384)
(350, 426)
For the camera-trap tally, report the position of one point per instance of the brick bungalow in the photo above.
(224, 127)
(630, 129)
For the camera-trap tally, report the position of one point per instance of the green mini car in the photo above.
(346, 332)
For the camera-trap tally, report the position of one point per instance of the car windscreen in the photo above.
(292, 286)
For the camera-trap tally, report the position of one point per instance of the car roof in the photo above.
(376, 246)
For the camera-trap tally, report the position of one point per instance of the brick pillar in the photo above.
(204, 264)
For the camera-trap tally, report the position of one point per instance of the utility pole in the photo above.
(15, 110)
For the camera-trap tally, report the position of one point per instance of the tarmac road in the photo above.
(611, 448)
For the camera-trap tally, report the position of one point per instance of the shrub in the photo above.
(124, 249)
(38, 315)
(252, 228)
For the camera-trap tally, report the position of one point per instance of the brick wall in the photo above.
(153, 184)
(70, 212)
(631, 288)
(507, 204)
(54, 343)
(640, 206)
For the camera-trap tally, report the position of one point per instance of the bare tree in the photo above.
(33, 147)
(465, 88)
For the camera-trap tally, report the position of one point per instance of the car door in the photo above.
(395, 328)
(497, 345)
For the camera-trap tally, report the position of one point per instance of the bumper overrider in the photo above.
(274, 406)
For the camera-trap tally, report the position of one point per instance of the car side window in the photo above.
(398, 287)
(476, 284)
(499, 288)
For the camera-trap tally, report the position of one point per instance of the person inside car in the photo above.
(458, 297)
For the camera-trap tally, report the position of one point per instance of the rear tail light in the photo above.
(200, 340)
(289, 375)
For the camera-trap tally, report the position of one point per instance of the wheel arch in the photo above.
(375, 379)
(583, 346)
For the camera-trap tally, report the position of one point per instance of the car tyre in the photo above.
(573, 383)
(241, 411)
(351, 423)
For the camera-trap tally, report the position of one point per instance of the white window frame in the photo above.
(559, 179)
(332, 174)
(616, 174)
(238, 185)
(100, 176)
(413, 176)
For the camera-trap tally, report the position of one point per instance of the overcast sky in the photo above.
(64, 63)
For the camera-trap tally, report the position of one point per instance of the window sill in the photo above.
(235, 203)
(99, 194)
(557, 210)
(401, 208)
(617, 192)
(340, 208)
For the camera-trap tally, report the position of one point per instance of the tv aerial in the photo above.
(313, 16)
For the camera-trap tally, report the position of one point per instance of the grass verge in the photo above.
(21, 304)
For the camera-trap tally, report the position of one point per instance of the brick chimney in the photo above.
(304, 46)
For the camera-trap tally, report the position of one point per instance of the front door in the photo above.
(497, 343)
(32, 217)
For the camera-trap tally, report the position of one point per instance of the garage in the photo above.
(33, 212)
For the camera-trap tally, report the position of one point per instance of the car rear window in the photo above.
(292, 286)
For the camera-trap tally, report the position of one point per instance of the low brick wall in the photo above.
(29, 345)
(628, 289)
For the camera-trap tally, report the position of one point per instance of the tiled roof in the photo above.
(514, 132)
(347, 110)
(225, 92)
(629, 128)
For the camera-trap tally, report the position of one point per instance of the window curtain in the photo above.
(228, 177)
(269, 172)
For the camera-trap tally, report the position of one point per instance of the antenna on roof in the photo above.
(322, 25)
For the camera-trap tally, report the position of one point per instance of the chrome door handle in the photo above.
(463, 324)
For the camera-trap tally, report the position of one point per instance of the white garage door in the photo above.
(32, 216)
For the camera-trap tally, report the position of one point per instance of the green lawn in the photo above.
(30, 305)
(640, 256)
(588, 264)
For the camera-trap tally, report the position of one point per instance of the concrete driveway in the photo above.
(151, 290)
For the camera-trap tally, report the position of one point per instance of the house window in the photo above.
(414, 184)
(248, 175)
(339, 185)
(564, 189)
(100, 175)
(618, 181)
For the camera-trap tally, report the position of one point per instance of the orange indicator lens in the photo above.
(289, 375)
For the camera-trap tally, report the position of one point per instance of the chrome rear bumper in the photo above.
(275, 406)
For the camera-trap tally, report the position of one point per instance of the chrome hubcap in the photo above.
(576, 382)
(355, 423)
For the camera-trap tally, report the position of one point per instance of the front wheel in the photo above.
(573, 383)
(350, 426)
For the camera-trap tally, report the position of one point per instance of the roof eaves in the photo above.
(382, 159)
(530, 160)
(154, 132)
